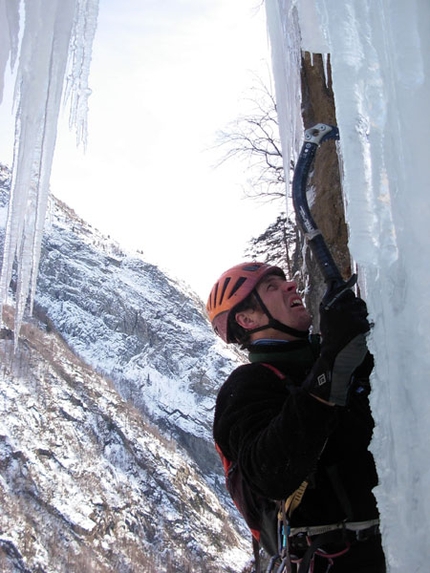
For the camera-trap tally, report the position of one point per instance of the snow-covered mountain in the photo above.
(106, 456)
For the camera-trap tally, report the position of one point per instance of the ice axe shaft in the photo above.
(331, 274)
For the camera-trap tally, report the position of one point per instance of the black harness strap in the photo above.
(256, 551)
(339, 490)
(317, 543)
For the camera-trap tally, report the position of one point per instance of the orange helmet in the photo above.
(232, 288)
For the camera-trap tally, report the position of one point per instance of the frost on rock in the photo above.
(379, 54)
(54, 42)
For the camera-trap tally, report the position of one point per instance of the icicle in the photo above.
(9, 24)
(325, 66)
(76, 88)
(44, 53)
(285, 42)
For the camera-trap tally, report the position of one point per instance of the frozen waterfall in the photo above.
(380, 57)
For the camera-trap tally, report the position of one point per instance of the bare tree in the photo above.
(254, 138)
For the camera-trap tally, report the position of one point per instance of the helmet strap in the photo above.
(276, 324)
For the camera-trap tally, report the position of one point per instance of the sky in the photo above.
(165, 78)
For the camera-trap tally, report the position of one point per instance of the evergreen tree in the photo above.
(278, 245)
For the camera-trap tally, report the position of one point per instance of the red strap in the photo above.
(278, 373)
(225, 462)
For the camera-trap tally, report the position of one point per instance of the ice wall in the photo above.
(381, 73)
(55, 46)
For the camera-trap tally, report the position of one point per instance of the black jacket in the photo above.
(280, 435)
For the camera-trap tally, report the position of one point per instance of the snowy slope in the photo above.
(88, 460)
(137, 326)
(87, 484)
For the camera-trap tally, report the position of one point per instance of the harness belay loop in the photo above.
(312, 540)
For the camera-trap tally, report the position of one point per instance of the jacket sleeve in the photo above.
(276, 432)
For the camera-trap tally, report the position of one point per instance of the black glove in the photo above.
(342, 321)
(343, 348)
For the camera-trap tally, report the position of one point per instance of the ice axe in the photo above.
(314, 137)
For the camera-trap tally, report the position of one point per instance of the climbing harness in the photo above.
(299, 546)
(294, 548)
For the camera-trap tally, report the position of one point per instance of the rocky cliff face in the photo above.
(325, 195)
(106, 456)
(137, 326)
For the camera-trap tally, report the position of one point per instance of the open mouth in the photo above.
(296, 302)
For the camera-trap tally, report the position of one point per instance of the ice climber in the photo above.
(293, 426)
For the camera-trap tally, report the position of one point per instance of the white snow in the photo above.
(380, 62)
(57, 37)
